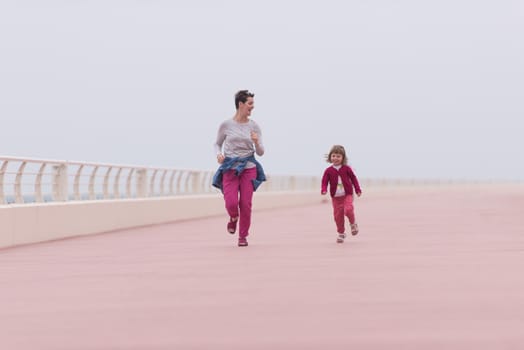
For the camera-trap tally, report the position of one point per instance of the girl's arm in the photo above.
(354, 181)
(324, 182)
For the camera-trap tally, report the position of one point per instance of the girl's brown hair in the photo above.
(337, 149)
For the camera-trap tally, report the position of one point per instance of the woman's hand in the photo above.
(254, 137)
(220, 158)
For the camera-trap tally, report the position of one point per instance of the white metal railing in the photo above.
(28, 180)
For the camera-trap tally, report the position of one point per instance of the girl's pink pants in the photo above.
(238, 195)
(342, 207)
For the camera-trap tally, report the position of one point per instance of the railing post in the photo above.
(92, 180)
(60, 182)
(105, 186)
(196, 180)
(38, 184)
(292, 183)
(19, 198)
(2, 172)
(152, 182)
(141, 183)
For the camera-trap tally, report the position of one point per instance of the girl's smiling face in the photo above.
(336, 158)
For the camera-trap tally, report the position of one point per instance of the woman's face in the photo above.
(246, 108)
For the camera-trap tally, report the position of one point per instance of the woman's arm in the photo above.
(256, 137)
(221, 136)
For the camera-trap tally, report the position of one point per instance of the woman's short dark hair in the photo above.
(242, 96)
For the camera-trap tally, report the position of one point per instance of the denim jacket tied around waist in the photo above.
(238, 164)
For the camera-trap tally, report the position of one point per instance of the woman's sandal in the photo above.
(232, 226)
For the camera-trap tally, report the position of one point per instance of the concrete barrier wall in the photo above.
(32, 223)
(38, 222)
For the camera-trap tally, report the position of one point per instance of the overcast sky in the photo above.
(412, 88)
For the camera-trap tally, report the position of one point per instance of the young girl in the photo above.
(341, 180)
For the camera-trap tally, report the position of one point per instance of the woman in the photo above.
(239, 174)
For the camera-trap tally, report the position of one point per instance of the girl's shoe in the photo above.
(232, 226)
(341, 237)
(354, 229)
(242, 242)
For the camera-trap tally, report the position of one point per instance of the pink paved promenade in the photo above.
(439, 268)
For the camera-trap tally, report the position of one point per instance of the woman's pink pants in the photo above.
(342, 207)
(238, 195)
